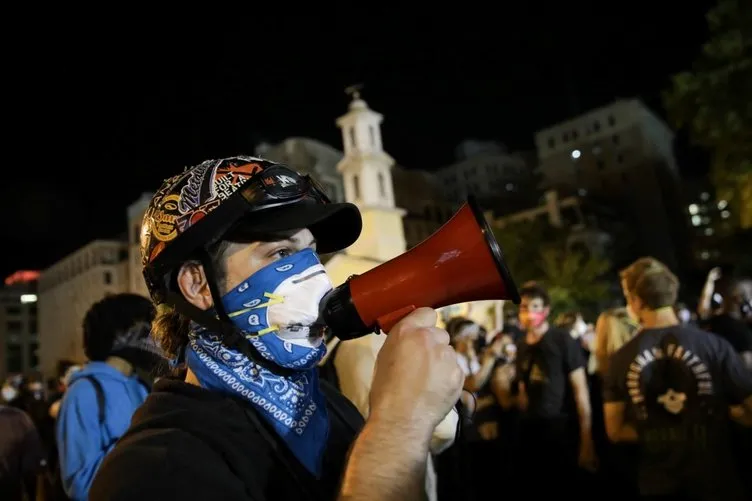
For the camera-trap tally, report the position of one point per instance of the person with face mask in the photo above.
(10, 389)
(551, 368)
(230, 254)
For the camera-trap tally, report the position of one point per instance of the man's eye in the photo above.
(281, 253)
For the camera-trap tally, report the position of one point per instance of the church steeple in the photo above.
(366, 167)
(366, 172)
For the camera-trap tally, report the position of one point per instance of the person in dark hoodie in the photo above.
(101, 398)
(230, 252)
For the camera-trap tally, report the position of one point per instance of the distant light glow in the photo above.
(28, 298)
(722, 204)
(705, 196)
(582, 192)
(510, 187)
(696, 220)
(576, 154)
(708, 231)
(725, 214)
(22, 277)
(705, 254)
(693, 209)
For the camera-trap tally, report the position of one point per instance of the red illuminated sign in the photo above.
(22, 277)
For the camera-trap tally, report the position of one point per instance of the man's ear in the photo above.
(194, 286)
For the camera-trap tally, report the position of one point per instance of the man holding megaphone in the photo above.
(229, 250)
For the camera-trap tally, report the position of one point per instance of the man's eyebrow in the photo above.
(291, 239)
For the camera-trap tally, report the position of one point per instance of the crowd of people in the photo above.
(648, 402)
(225, 386)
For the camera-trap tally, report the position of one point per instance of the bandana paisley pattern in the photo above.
(276, 308)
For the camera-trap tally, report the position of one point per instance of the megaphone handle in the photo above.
(388, 321)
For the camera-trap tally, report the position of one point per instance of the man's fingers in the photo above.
(422, 317)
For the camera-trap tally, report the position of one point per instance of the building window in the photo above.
(601, 164)
(382, 187)
(574, 134)
(107, 277)
(372, 133)
(611, 120)
(356, 187)
(596, 126)
(620, 157)
(14, 358)
(615, 139)
(551, 142)
(624, 177)
(33, 327)
(13, 310)
(352, 137)
(13, 326)
(565, 137)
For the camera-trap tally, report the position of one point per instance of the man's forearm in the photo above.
(625, 433)
(476, 381)
(388, 461)
(585, 416)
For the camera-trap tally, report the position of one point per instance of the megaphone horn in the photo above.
(460, 262)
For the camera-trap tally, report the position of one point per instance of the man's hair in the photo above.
(170, 328)
(567, 320)
(455, 324)
(652, 282)
(534, 290)
(734, 291)
(112, 316)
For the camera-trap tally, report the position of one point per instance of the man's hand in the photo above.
(417, 379)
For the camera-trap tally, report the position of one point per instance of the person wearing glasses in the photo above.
(230, 256)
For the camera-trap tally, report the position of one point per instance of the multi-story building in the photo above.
(68, 288)
(18, 324)
(622, 155)
(486, 170)
(711, 224)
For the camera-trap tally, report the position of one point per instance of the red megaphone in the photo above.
(461, 262)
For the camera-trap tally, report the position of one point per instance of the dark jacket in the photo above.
(186, 442)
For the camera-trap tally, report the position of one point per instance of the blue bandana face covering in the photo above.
(276, 308)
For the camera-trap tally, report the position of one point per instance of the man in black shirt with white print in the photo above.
(669, 389)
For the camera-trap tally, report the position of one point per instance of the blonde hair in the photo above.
(613, 330)
(652, 282)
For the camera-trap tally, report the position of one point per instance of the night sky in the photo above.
(94, 115)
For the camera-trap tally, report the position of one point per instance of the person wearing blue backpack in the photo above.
(101, 398)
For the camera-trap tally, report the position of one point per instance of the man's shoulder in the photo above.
(15, 416)
(558, 336)
(158, 463)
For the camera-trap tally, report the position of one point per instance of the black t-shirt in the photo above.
(186, 442)
(736, 332)
(678, 383)
(545, 367)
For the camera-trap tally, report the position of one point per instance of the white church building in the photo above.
(366, 171)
